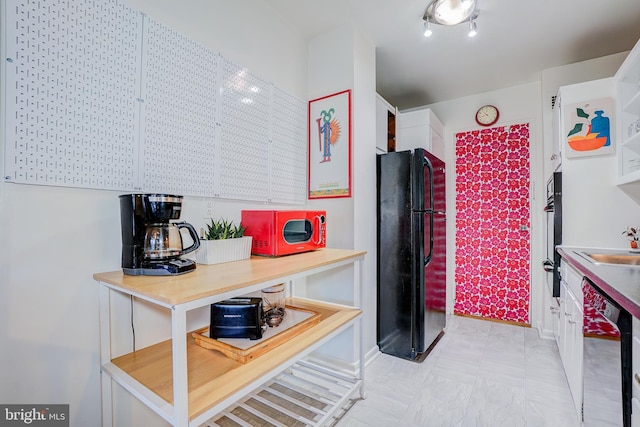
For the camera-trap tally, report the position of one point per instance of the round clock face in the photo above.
(487, 115)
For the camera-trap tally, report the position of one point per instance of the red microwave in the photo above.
(278, 233)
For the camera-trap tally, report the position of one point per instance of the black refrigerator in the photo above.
(411, 257)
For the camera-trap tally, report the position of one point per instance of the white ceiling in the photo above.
(516, 40)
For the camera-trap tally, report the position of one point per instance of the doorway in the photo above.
(492, 254)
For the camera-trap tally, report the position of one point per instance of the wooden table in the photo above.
(187, 384)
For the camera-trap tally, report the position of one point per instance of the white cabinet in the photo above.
(628, 86)
(555, 319)
(562, 325)
(550, 326)
(570, 342)
(574, 349)
(420, 129)
(188, 385)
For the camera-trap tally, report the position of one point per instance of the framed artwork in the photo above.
(330, 146)
(588, 128)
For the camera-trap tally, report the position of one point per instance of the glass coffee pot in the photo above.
(163, 241)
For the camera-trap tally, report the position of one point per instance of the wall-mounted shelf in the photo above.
(628, 92)
(187, 384)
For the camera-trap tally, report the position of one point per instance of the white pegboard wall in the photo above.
(244, 144)
(72, 82)
(178, 113)
(288, 149)
(100, 96)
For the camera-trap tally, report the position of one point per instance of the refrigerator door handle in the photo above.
(427, 258)
(426, 162)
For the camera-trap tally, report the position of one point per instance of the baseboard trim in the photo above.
(489, 319)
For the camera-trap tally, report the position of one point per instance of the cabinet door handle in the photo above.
(637, 377)
(554, 156)
(570, 316)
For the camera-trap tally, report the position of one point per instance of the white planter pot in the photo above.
(219, 251)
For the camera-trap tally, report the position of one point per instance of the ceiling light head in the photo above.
(451, 12)
(427, 28)
(473, 29)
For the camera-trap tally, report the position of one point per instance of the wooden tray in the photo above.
(297, 320)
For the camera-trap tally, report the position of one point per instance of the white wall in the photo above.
(338, 60)
(54, 239)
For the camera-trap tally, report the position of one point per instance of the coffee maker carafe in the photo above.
(151, 244)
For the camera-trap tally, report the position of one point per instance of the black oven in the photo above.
(607, 358)
(553, 209)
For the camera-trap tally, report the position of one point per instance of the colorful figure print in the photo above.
(328, 133)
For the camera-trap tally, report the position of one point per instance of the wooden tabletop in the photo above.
(210, 280)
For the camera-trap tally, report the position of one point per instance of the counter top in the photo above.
(621, 283)
(210, 280)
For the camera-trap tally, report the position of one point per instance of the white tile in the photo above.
(441, 402)
(506, 373)
(507, 354)
(480, 374)
(423, 414)
(371, 417)
(349, 420)
(550, 413)
(496, 404)
(463, 371)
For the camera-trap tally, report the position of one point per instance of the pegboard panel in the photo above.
(72, 77)
(244, 145)
(100, 96)
(288, 149)
(178, 113)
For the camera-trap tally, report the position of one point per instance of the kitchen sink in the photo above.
(628, 259)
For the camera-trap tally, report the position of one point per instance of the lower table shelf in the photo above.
(306, 394)
(212, 377)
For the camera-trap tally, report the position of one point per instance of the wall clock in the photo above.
(487, 115)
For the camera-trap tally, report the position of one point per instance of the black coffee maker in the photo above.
(151, 244)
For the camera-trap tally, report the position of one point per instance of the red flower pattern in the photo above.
(595, 323)
(492, 202)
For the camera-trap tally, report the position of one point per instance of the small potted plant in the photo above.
(222, 241)
(633, 234)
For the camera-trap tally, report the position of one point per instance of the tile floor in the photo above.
(481, 374)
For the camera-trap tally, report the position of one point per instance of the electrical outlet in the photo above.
(207, 208)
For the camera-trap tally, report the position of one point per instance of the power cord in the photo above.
(133, 330)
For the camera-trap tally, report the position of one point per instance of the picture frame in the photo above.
(588, 128)
(329, 159)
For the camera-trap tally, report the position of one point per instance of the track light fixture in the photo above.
(451, 12)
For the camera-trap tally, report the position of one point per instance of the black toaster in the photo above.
(237, 318)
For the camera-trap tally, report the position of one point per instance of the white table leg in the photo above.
(105, 355)
(180, 381)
